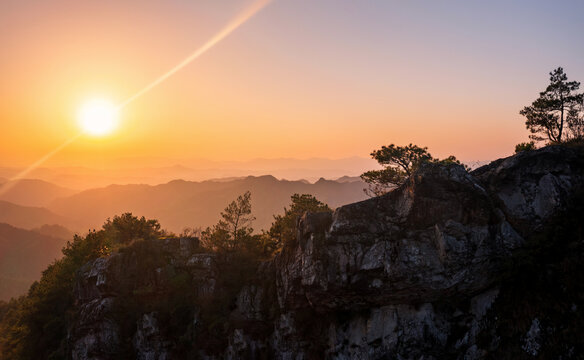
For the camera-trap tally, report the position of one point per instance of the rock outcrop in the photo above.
(437, 236)
(150, 272)
(533, 186)
(416, 274)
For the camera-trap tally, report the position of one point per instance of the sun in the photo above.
(98, 117)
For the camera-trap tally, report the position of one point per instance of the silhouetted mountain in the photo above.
(54, 230)
(345, 179)
(157, 171)
(29, 217)
(32, 192)
(182, 203)
(23, 255)
(227, 179)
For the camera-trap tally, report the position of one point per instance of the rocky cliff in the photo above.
(450, 265)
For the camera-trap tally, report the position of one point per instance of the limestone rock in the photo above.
(437, 235)
(414, 274)
(534, 185)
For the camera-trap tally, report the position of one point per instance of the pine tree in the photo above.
(558, 108)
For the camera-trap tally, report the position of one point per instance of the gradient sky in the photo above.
(302, 78)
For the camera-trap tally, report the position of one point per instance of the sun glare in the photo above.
(98, 117)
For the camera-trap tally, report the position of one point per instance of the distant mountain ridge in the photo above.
(159, 170)
(54, 230)
(24, 254)
(32, 192)
(345, 179)
(180, 203)
(31, 237)
(29, 217)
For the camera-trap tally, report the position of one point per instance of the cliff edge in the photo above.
(451, 265)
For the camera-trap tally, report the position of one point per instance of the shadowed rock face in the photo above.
(413, 274)
(104, 284)
(438, 235)
(532, 186)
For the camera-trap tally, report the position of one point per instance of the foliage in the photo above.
(283, 228)
(171, 298)
(35, 325)
(557, 114)
(575, 121)
(236, 269)
(233, 231)
(399, 163)
(127, 227)
(525, 146)
(450, 161)
(194, 231)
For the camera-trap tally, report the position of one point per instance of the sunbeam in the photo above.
(228, 29)
(14, 180)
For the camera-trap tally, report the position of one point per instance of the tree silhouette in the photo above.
(127, 227)
(525, 146)
(399, 163)
(557, 108)
(234, 229)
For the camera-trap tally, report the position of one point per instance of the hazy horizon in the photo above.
(332, 79)
(164, 170)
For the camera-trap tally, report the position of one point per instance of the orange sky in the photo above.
(300, 79)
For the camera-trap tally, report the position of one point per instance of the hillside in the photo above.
(32, 192)
(54, 230)
(28, 217)
(180, 203)
(24, 255)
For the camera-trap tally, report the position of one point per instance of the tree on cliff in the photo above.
(233, 231)
(525, 146)
(399, 163)
(557, 113)
(575, 121)
(284, 226)
(35, 325)
(127, 227)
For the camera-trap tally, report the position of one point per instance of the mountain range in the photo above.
(24, 254)
(29, 217)
(179, 203)
(32, 192)
(38, 217)
(160, 170)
